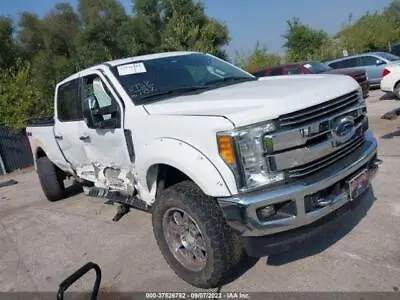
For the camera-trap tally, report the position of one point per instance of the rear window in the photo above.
(68, 104)
(388, 56)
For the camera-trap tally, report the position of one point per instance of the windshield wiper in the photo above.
(172, 91)
(230, 79)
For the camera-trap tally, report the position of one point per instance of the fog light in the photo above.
(266, 212)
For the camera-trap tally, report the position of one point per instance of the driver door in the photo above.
(103, 136)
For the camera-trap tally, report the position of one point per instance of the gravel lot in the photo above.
(41, 243)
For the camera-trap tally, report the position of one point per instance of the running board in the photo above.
(116, 197)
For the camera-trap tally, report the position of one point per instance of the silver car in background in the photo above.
(373, 62)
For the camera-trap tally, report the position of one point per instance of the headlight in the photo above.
(243, 151)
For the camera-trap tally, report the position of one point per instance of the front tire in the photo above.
(51, 179)
(192, 235)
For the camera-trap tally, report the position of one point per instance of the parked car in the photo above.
(316, 67)
(373, 62)
(391, 80)
(224, 161)
(395, 49)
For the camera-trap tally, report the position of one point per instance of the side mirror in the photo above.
(380, 62)
(96, 117)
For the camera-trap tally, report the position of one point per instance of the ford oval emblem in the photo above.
(344, 129)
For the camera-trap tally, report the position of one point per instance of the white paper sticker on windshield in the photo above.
(307, 66)
(135, 68)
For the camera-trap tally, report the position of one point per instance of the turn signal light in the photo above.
(225, 148)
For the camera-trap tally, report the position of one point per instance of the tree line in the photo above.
(37, 52)
(372, 32)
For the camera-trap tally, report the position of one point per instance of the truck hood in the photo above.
(255, 101)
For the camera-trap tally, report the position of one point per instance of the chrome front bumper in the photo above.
(241, 210)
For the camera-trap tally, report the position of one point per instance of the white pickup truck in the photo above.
(227, 164)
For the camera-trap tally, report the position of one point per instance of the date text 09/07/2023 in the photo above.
(197, 295)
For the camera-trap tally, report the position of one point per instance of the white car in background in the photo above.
(391, 80)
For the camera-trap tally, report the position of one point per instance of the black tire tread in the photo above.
(207, 212)
(50, 179)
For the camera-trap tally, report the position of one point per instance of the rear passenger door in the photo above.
(68, 124)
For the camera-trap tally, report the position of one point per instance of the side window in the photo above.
(335, 65)
(345, 63)
(293, 70)
(276, 72)
(68, 104)
(367, 61)
(350, 63)
(99, 107)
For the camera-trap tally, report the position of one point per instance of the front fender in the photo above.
(186, 159)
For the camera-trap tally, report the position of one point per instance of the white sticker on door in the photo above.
(129, 69)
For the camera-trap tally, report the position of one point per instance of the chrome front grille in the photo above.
(325, 161)
(308, 141)
(315, 113)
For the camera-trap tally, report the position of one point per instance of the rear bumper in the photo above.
(241, 211)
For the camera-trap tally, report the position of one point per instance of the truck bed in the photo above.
(48, 121)
(42, 141)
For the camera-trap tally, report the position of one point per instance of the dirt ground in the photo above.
(41, 243)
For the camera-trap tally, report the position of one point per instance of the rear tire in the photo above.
(220, 248)
(397, 91)
(51, 179)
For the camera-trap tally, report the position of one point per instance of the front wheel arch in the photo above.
(396, 90)
(212, 177)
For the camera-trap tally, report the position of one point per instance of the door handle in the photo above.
(84, 138)
(58, 137)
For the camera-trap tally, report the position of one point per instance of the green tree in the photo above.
(370, 33)
(258, 59)
(187, 27)
(20, 99)
(30, 35)
(392, 12)
(7, 45)
(103, 34)
(50, 44)
(146, 27)
(302, 41)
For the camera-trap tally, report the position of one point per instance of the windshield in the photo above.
(148, 80)
(316, 67)
(388, 56)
